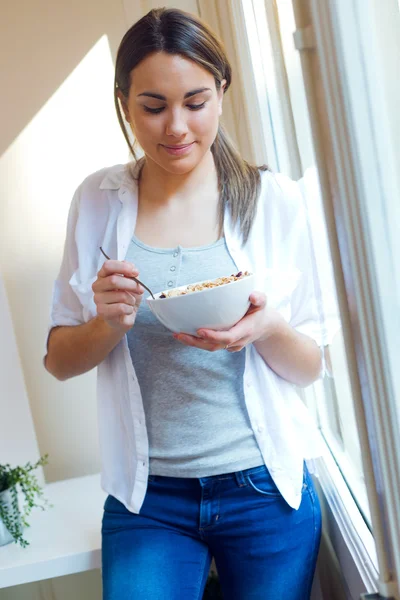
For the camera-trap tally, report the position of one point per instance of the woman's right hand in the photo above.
(116, 296)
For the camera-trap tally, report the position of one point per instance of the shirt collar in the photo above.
(120, 176)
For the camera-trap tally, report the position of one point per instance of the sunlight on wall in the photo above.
(75, 133)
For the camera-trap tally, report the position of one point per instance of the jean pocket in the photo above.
(262, 482)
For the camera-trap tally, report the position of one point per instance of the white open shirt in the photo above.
(103, 213)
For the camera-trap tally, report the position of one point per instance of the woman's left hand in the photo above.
(258, 323)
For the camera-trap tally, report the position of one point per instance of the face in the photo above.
(173, 109)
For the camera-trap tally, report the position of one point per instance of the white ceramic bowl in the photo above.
(217, 308)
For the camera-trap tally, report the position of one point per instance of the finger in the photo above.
(122, 267)
(224, 338)
(240, 345)
(113, 311)
(115, 297)
(116, 282)
(258, 301)
(126, 321)
(241, 329)
(190, 340)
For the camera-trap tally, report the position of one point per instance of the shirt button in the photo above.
(248, 383)
(260, 428)
(170, 283)
(172, 268)
(175, 254)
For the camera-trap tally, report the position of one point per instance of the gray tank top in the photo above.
(196, 417)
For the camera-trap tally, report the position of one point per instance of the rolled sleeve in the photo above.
(314, 306)
(66, 309)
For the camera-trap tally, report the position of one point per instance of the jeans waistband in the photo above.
(238, 476)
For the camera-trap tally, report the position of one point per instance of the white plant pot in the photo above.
(5, 535)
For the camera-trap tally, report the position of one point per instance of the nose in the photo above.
(176, 123)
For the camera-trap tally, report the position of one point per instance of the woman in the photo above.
(203, 438)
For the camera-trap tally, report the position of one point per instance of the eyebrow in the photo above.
(187, 95)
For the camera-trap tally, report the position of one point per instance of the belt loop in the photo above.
(240, 480)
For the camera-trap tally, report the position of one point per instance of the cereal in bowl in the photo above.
(197, 287)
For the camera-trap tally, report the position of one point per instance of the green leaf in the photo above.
(21, 478)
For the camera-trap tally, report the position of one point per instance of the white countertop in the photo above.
(63, 539)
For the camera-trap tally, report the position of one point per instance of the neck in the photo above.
(164, 188)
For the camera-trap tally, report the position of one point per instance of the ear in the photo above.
(221, 92)
(124, 104)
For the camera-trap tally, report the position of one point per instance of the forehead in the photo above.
(169, 74)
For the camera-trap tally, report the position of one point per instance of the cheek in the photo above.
(205, 124)
(147, 127)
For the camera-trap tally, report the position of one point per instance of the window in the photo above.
(322, 88)
(346, 66)
(287, 133)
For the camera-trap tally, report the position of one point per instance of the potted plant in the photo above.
(13, 517)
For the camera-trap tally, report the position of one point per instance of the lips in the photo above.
(178, 147)
(179, 150)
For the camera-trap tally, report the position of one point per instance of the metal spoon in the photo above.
(131, 277)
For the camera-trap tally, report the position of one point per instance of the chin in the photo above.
(179, 167)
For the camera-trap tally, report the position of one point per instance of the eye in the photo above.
(196, 106)
(156, 111)
(153, 111)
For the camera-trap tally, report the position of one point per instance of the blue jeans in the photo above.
(263, 549)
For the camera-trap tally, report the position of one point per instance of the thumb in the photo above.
(258, 299)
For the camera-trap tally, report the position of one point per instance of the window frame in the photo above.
(346, 135)
(336, 32)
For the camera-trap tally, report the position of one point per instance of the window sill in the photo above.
(346, 528)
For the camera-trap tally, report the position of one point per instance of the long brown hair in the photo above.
(176, 32)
